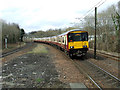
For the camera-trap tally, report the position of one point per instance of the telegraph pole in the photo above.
(95, 33)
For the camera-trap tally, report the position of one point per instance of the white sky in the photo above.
(33, 15)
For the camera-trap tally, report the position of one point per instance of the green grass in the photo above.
(39, 49)
(39, 79)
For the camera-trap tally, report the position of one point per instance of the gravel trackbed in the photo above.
(31, 70)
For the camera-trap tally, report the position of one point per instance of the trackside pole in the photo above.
(95, 33)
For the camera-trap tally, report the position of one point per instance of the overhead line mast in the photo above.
(95, 32)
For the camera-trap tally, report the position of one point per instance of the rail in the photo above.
(16, 50)
(81, 70)
(103, 78)
(115, 56)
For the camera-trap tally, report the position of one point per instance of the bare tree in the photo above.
(11, 31)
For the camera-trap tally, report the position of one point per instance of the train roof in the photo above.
(63, 33)
(68, 32)
(71, 31)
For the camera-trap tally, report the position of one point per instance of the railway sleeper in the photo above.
(110, 81)
(104, 77)
(100, 73)
(114, 83)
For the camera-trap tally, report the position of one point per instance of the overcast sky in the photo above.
(33, 15)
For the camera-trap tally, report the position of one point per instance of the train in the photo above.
(73, 42)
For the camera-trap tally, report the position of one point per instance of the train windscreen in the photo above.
(78, 37)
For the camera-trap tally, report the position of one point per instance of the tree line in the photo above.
(12, 32)
(50, 32)
(108, 29)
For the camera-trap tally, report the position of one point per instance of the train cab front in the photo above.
(78, 43)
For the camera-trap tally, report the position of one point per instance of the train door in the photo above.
(65, 43)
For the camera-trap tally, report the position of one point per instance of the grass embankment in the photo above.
(39, 49)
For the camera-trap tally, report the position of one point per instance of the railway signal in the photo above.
(6, 40)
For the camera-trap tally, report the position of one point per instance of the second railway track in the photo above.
(16, 50)
(106, 55)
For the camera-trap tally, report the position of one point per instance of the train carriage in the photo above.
(73, 42)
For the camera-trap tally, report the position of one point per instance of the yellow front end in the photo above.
(78, 45)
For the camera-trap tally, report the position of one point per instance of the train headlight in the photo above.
(71, 47)
(85, 46)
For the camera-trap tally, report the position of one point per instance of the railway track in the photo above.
(91, 80)
(15, 50)
(102, 78)
(98, 77)
(106, 55)
(94, 83)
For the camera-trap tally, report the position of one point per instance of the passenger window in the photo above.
(63, 39)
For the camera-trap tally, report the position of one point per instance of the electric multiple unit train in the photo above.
(73, 42)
